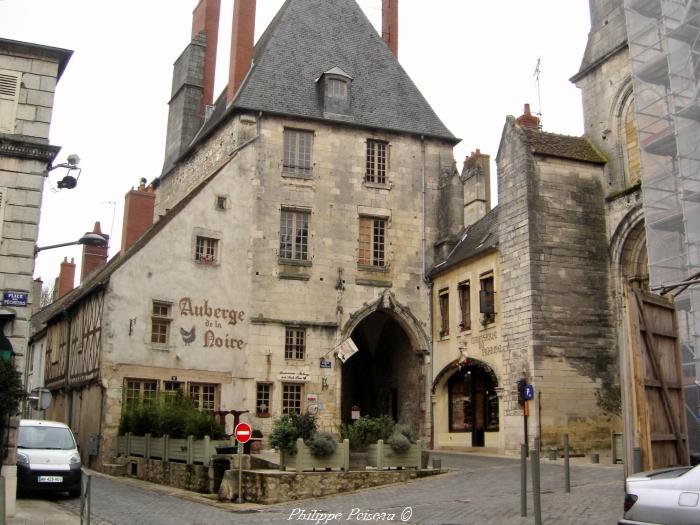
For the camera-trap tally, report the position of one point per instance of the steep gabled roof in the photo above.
(476, 239)
(309, 37)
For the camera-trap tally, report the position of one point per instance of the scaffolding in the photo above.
(664, 48)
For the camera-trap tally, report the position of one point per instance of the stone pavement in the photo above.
(34, 511)
(477, 489)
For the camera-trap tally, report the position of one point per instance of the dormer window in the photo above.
(335, 93)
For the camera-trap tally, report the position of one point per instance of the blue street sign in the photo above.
(528, 392)
(14, 298)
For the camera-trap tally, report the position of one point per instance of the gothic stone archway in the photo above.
(387, 374)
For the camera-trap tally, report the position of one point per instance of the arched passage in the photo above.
(386, 375)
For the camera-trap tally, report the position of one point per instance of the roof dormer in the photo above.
(336, 95)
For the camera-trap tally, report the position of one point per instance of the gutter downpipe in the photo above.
(429, 284)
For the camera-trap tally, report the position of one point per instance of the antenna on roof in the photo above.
(538, 70)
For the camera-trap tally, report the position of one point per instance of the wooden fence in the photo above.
(165, 448)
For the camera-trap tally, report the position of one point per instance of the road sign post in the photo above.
(242, 432)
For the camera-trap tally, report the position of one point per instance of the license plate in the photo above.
(50, 479)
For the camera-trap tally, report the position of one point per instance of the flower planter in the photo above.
(187, 450)
(382, 456)
(304, 460)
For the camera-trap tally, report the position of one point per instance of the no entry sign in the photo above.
(242, 432)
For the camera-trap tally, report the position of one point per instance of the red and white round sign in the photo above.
(242, 432)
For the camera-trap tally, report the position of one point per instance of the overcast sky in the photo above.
(474, 62)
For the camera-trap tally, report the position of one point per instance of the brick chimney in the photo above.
(94, 257)
(476, 178)
(390, 25)
(242, 39)
(205, 18)
(527, 119)
(66, 277)
(138, 213)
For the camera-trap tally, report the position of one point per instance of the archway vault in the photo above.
(388, 304)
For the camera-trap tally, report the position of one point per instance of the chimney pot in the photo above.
(390, 25)
(242, 39)
(139, 205)
(527, 119)
(94, 257)
(205, 18)
(66, 277)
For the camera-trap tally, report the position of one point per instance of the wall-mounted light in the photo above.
(89, 239)
(69, 181)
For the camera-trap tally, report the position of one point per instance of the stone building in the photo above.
(300, 211)
(28, 76)
(525, 294)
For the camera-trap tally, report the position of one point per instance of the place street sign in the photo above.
(15, 298)
(242, 432)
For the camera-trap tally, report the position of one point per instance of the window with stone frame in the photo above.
(138, 391)
(294, 343)
(291, 398)
(206, 250)
(263, 393)
(294, 234)
(464, 291)
(444, 304)
(376, 161)
(487, 299)
(161, 318)
(372, 242)
(297, 152)
(203, 396)
(171, 389)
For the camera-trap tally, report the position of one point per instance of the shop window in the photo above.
(262, 399)
(139, 391)
(203, 396)
(291, 398)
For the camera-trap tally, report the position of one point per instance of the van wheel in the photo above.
(74, 493)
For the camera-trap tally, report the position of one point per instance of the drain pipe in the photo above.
(429, 285)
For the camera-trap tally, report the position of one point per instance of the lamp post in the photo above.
(89, 239)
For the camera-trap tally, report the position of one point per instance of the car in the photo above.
(47, 458)
(668, 496)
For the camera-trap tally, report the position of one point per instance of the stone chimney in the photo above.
(66, 278)
(390, 25)
(138, 213)
(242, 39)
(205, 18)
(94, 257)
(37, 289)
(527, 119)
(193, 82)
(476, 180)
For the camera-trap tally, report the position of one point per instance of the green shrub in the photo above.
(399, 442)
(406, 430)
(321, 444)
(367, 430)
(175, 416)
(290, 427)
(11, 391)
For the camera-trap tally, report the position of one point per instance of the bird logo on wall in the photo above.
(188, 337)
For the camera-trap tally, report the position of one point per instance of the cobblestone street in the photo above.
(476, 490)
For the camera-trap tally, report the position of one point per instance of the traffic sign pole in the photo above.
(242, 433)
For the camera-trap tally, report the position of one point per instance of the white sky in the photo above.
(474, 62)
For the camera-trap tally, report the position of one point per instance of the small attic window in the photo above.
(337, 88)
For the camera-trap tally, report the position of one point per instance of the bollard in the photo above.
(3, 510)
(523, 479)
(85, 498)
(636, 460)
(567, 472)
(535, 458)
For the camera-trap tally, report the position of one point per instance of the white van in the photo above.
(47, 457)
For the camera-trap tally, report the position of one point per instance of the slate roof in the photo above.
(563, 146)
(309, 37)
(476, 239)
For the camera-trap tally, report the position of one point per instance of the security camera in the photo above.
(73, 159)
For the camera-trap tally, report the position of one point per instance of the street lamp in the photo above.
(68, 182)
(89, 239)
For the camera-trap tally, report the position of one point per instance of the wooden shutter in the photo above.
(9, 96)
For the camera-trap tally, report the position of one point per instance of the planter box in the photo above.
(305, 460)
(188, 450)
(382, 456)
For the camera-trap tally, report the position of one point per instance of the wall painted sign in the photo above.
(15, 298)
(216, 321)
